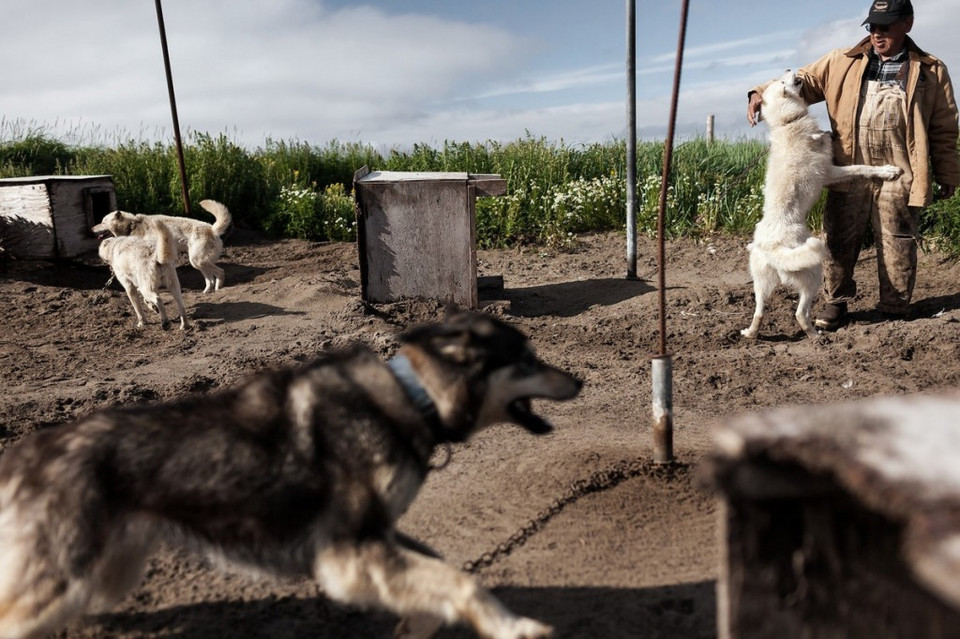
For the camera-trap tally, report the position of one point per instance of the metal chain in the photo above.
(96, 297)
(597, 482)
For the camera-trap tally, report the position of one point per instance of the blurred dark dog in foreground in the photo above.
(300, 472)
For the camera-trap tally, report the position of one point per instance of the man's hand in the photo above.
(753, 108)
(946, 191)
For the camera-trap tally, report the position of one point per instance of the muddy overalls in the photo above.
(880, 139)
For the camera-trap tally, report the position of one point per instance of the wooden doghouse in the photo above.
(416, 233)
(841, 521)
(50, 217)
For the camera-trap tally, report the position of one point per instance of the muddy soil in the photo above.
(635, 556)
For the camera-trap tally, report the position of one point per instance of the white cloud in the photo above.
(299, 69)
(286, 68)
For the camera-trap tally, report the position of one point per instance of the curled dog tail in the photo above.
(220, 212)
(799, 258)
(166, 251)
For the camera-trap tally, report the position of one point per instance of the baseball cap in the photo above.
(889, 11)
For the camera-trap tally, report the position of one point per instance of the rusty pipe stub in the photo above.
(662, 367)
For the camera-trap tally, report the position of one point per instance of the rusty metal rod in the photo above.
(665, 180)
(662, 364)
(184, 187)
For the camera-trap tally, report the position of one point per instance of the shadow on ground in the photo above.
(612, 613)
(568, 299)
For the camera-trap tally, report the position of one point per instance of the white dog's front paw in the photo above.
(890, 172)
(749, 332)
(526, 628)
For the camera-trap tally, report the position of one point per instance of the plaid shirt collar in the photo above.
(892, 71)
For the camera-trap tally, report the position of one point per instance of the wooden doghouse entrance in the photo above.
(841, 521)
(50, 217)
(416, 233)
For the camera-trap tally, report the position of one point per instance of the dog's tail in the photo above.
(166, 251)
(798, 258)
(219, 211)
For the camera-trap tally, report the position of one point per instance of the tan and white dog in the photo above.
(799, 166)
(298, 473)
(200, 240)
(144, 266)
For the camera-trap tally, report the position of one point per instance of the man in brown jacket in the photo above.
(888, 102)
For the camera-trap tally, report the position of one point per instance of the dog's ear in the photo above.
(469, 338)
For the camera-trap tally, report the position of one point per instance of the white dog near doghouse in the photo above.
(800, 164)
(198, 239)
(144, 266)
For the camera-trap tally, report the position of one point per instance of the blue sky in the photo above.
(396, 73)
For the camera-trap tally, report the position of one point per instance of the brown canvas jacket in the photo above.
(932, 127)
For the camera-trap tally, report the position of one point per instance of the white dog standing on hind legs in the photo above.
(800, 164)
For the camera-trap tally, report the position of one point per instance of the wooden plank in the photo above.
(417, 241)
(488, 185)
(490, 282)
(72, 216)
(28, 220)
(833, 512)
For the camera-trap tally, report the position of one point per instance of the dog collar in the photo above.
(403, 371)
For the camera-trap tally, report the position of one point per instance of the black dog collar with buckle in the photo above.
(403, 371)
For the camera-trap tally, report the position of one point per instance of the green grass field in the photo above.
(554, 190)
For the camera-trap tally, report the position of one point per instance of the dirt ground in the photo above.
(627, 553)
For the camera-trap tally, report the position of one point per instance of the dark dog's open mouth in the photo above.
(522, 413)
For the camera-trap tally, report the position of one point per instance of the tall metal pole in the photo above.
(662, 364)
(631, 139)
(184, 187)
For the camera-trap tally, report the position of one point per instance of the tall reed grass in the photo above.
(554, 190)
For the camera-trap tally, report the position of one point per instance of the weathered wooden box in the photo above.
(841, 521)
(50, 217)
(416, 234)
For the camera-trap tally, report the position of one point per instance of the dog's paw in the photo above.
(750, 333)
(526, 628)
(890, 172)
(417, 627)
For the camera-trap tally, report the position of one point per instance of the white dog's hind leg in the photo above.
(803, 313)
(213, 275)
(808, 283)
(765, 280)
(173, 285)
(154, 299)
(417, 586)
(753, 330)
(134, 296)
(217, 275)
